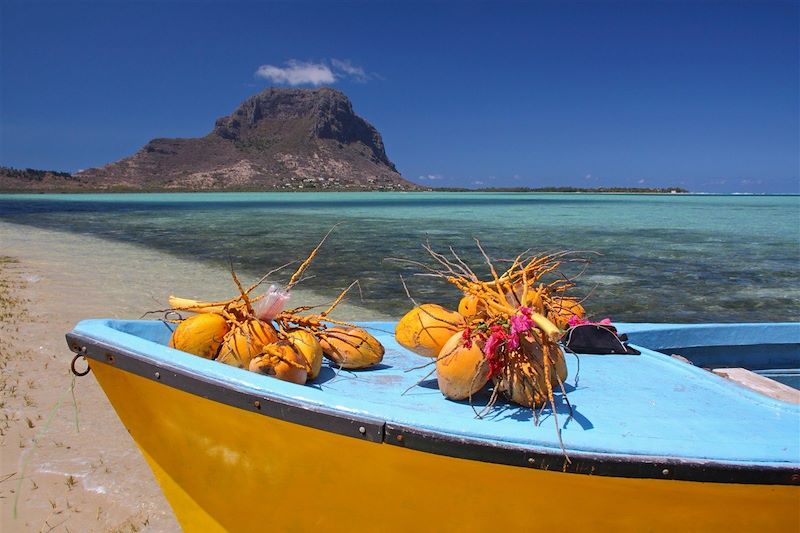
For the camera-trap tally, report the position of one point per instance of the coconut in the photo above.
(471, 307)
(350, 347)
(425, 329)
(563, 309)
(461, 371)
(246, 341)
(282, 361)
(560, 364)
(307, 344)
(520, 296)
(523, 383)
(200, 335)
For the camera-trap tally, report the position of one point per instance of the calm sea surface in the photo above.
(653, 257)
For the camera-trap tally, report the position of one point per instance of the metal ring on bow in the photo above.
(75, 370)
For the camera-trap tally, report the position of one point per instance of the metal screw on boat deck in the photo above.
(257, 404)
(531, 460)
(665, 471)
(399, 438)
(362, 430)
(158, 375)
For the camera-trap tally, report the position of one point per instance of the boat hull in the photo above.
(226, 468)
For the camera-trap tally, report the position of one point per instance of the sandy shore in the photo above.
(67, 463)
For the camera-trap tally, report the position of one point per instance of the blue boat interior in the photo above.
(651, 404)
(733, 346)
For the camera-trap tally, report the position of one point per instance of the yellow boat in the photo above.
(651, 443)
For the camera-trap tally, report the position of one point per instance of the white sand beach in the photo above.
(67, 463)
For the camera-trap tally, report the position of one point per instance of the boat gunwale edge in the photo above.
(380, 431)
(348, 424)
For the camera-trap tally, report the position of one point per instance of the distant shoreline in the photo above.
(301, 191)
(42, 182)
(627, 190)
(34, 181)
(499, 190)
(421, 191)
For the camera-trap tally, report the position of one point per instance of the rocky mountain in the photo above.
(279, 139)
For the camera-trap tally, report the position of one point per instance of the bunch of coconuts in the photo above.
(258, 335)
(512, 343)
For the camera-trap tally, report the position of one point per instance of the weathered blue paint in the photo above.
(649, 405)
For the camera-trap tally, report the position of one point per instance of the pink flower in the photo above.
(575, 320)
(519, 324)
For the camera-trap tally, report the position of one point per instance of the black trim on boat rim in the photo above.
(379, 431)
(623, 466)
(317, 417)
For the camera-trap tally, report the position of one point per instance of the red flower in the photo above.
(467, 337)
(496, 365)
(492, 349)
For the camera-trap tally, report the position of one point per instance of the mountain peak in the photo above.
(327, 113)
(277, 104)
(277, 139)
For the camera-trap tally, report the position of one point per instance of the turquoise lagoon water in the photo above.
(677, 258)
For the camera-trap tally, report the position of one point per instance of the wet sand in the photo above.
(66, 462)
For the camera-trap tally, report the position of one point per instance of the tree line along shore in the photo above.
(16, 180)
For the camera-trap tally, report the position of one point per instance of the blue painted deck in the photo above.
(650, 404)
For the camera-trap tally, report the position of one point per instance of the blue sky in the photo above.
(702, 95)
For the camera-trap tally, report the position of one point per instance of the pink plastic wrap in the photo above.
(271, 305)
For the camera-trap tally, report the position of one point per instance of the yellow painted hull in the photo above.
(227, 469)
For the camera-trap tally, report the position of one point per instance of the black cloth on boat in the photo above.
(597, 339)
